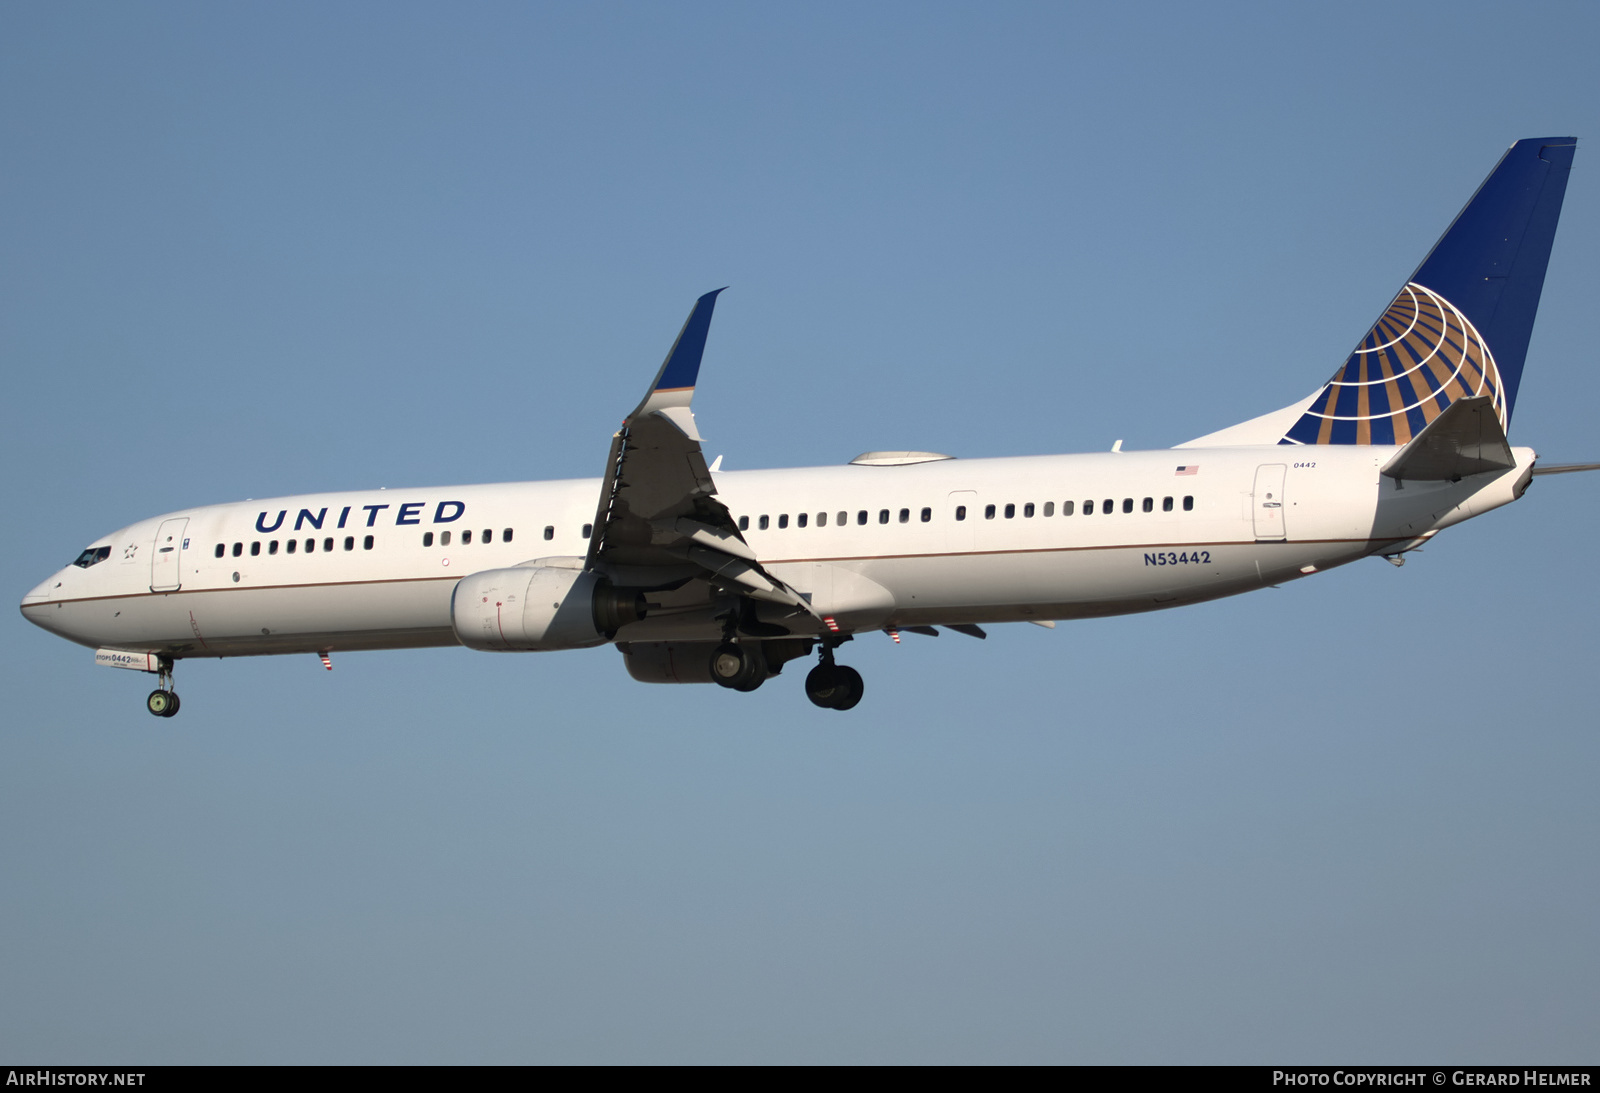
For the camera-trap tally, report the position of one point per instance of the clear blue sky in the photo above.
(254, 249)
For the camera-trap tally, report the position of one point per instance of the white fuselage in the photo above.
(378, 574)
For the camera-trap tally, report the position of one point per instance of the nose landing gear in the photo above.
(163, 701)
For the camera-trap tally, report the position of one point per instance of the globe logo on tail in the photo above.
(1420, 356)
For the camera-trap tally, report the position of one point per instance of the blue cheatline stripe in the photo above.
(682, 365)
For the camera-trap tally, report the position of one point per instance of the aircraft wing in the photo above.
(658, 519)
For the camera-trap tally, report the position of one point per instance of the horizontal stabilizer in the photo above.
(1566, 468)
(1466, 438)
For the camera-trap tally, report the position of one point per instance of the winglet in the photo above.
(673, 387)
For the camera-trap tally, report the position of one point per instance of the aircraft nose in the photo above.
(34, 607)
(41, 591)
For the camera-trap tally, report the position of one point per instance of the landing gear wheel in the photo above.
(834, 686)
(162, 703)
(739, 667)
(822, 684)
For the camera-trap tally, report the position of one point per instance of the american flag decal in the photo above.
(1188, 468)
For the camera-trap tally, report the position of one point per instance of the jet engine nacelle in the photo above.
(668, 661)
(539, 608)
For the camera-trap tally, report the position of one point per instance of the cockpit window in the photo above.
(92, 556)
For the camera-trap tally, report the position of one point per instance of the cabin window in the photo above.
(444, 538)
(1127, 504)
(238, 549)
(905, 516)
(549, 532)
(883, 516)
(1088, 508)
(588, 530)
(349, 542)
(764, 522)
(783, 519)
(744, 523)
(289, 546)
(366, 544)
(800, 520)
(961, 512)
(1011, 512)
(427, 539)
(311, 546)
(822, 519)
(505, 536)
(843, 519)
(1188, 504)
(1027, 510)
(1108, 506)
(327, 544)
(1166, 504)
(861, 517)
(255, 549)
(1149, 504)
(488, 535)
(1049, 508)
(988, 512)
(466, 537)
(221, 550)
(927, 515)
(1066, 508)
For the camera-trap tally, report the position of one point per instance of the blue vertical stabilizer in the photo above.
(1460, 326)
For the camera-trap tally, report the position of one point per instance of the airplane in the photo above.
(699, 575)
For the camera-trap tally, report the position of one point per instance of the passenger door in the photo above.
(1269, 501)
(166, 562)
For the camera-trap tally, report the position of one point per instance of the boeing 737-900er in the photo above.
(702, 576)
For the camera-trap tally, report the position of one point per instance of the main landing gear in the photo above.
(834, 686)
(163, 701)
(744, 666)
(739, 666)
